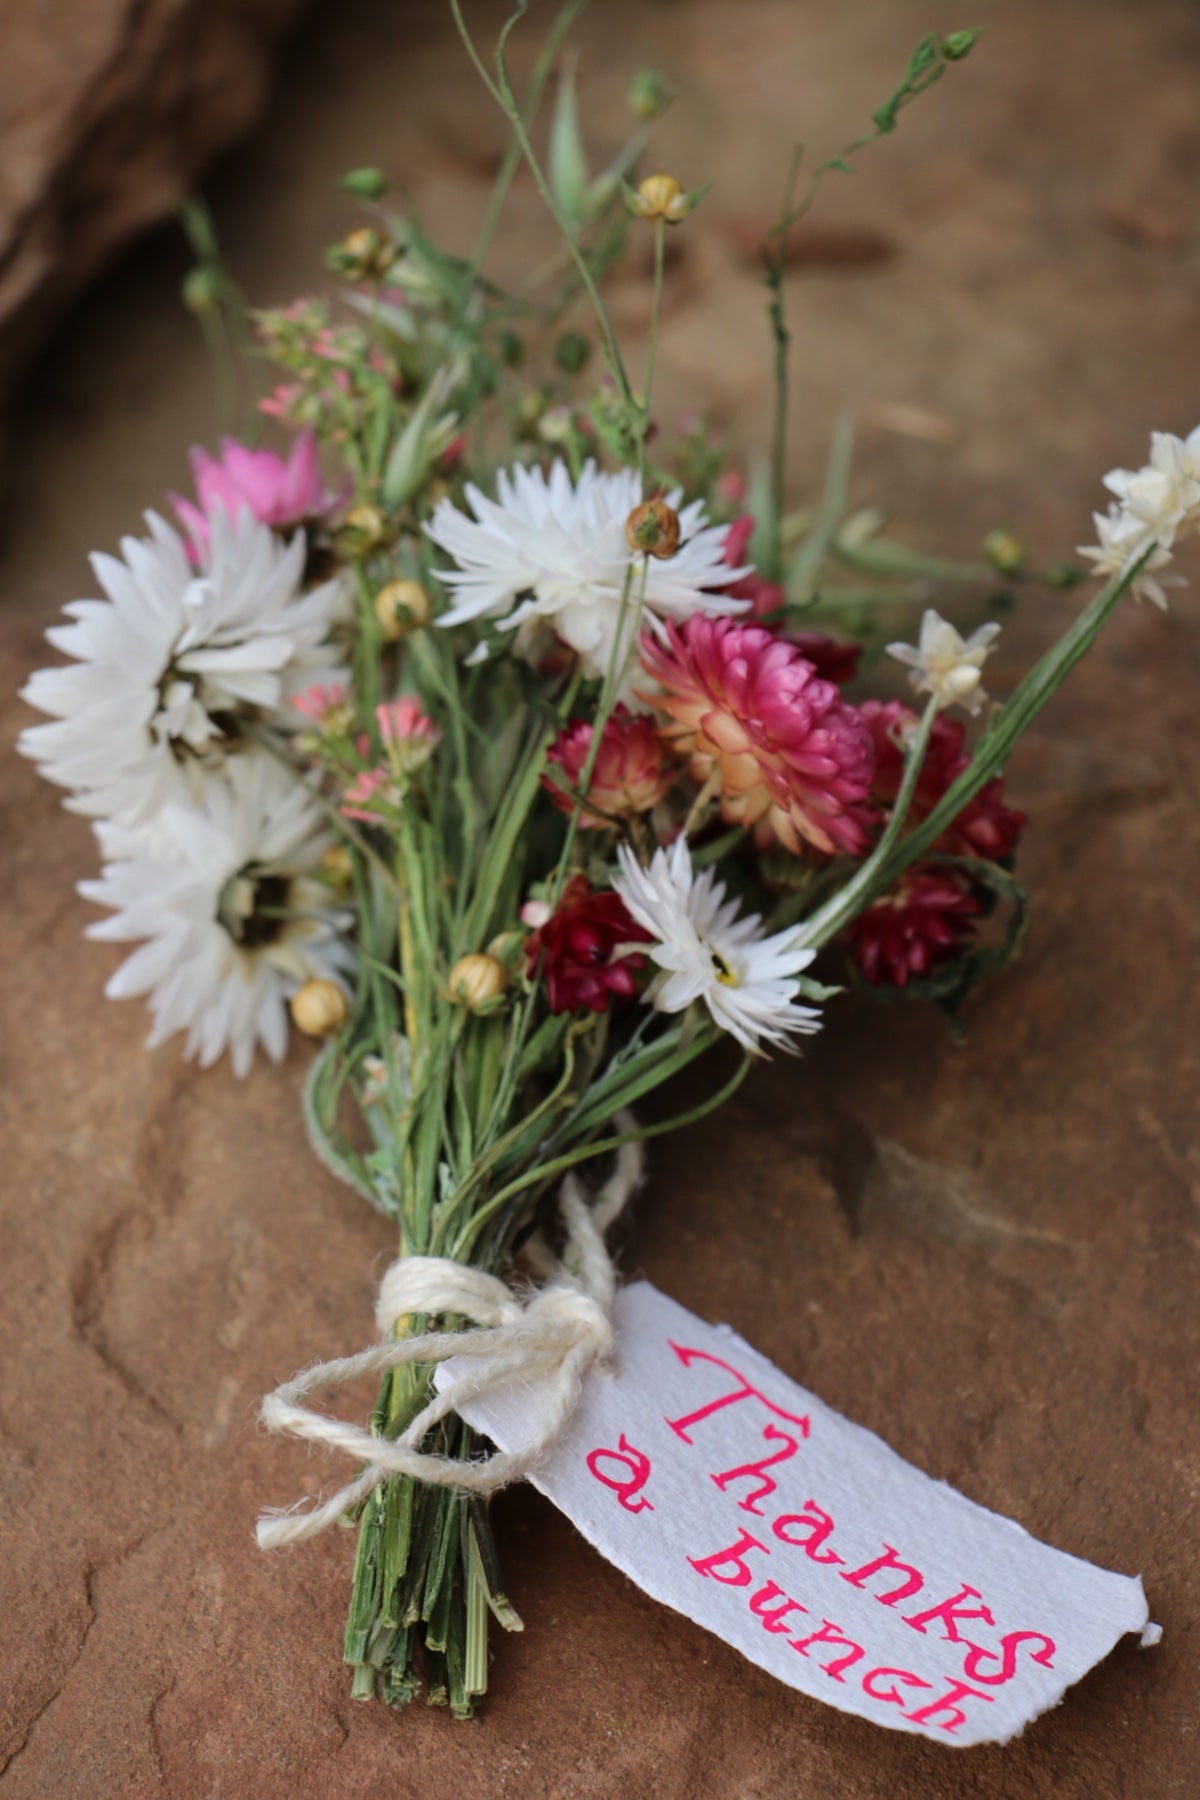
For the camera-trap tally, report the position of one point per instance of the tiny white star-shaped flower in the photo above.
(947, 665)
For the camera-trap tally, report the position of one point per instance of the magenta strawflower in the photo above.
(281, 492)
(754, 722)
(629, 776)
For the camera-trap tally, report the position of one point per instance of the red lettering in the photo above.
(771, 1434)
(732, 1558)
(819, 1526)
(638, 1465)
(773, 1619)
(893, 1694)
(831, 1634)
(745, 1390)
(889, 1560)
(957, 1690)
(949, 1611)
(1010, 1644)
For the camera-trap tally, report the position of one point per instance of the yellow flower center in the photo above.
(724, 973)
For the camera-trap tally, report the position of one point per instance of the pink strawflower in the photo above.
(787, 755)
(411, 737)
(629, 776)
(926, 920)
(986, 827)
(279, 492)
(326, 705)
(764, 596)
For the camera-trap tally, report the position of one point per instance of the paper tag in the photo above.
(728, 1492)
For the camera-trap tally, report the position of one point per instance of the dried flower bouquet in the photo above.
(518, 750)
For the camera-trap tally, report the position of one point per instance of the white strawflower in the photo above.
(232, 918)
(172, 659)
(704, 951)
(1164, 496)
(551, 550)
(1154, 505)
(947, 665)
(1121, 540)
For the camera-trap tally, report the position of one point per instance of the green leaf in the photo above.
(566, 163)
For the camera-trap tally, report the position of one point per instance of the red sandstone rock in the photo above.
(108, 112)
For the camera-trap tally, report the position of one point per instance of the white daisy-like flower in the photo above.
(231, 915)
(947, 665)
(551, 550)
(705, 951)
(172, 659)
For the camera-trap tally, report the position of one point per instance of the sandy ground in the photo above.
(987, 1253)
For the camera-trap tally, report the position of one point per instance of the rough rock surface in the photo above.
(990, 1253)
(108, 111)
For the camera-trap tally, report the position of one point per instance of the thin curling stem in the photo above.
(502, 93)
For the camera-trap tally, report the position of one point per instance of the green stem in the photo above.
(894, 854)
(502, 93)
(837, 912)
(660, 228)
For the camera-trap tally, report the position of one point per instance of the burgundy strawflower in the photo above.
(629, 775)
(926, 920)
(747, 713)
(986, 827)
(832, 658)
(576, 950)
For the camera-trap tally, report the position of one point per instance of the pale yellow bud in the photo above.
(363, 531)
(320, 1008)
(336, 868)
(476, 979)
(401, 607)
(661, 197)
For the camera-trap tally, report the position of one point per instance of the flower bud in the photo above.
(336, 869)
(477, 979)
(653, 528)
(366, 184)
(320, 1008)
(1004, 551)
(363, 256)
(363, 530)
(648, 94)
(571, 352)
(556, 425)
(401, 607)
(659, 197)
(203, 292)
(957, 44)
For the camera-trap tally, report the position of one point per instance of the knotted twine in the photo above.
(553, 1333)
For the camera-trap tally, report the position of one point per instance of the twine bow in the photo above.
(553, 1333)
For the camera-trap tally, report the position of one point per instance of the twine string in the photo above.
(553, 1333)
